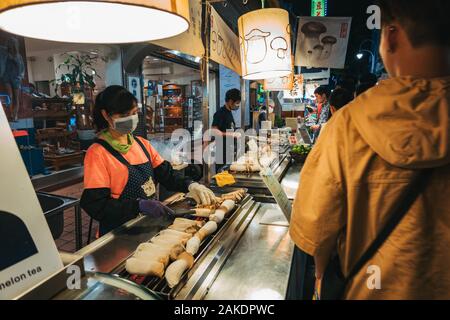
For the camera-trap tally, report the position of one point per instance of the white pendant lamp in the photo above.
(95, 21)
(265, 41)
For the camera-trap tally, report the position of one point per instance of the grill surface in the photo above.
(160, 286)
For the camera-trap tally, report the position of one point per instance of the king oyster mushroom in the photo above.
(312, 32)
(256, 45)
(328, 43)
(316, 55)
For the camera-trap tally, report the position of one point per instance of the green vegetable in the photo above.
(301, 149)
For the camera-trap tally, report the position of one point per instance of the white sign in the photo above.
(322, 42)
(277, 192)
(224, 44)
(28, 253)
(189, 42)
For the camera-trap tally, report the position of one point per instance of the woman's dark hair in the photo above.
(425, 22)
(114, 100)
(323, 90)
(340, 98)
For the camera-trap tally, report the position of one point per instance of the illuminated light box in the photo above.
(105, 21)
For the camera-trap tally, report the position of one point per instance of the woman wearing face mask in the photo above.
(121, 170)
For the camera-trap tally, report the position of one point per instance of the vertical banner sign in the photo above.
(224, 44)
(189, 42)
(319, 8)
(28, 253)
(322, 42)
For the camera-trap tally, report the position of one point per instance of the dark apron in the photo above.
(302, 277)
(138, 176)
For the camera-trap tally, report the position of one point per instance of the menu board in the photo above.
(277, 192)
(28, 253)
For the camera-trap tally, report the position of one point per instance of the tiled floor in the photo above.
(67, 241)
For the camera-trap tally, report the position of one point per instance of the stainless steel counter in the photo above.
(255, 184)
(247, 260)
(108, 254)
(291, 180)
(258, 268)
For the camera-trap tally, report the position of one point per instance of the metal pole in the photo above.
(207, 174)
(243, 102)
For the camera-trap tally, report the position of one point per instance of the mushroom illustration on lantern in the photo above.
(328, 43)
(256, 43)
(280, 45)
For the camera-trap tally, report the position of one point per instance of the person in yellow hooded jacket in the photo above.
(370, 152)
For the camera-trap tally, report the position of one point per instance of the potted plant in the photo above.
(79, 78)
(81, 74)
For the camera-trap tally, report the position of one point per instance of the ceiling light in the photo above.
(103, 21)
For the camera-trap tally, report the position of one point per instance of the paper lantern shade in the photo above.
(265, 41)
(102, 21)
(279, 84)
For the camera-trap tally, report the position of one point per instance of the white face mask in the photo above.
(126, 125)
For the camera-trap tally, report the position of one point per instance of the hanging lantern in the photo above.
(279, 84)
(265, 41)
(100, 21)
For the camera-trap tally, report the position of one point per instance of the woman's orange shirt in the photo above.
(103, 170)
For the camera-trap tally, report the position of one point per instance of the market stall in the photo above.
(241, 241)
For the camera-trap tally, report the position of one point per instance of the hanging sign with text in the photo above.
(224, 44)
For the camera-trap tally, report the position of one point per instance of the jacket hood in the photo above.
(406, 121)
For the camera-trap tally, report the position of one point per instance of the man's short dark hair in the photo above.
(340, 98)
(233, 95)
(425, 22)
(323, 90)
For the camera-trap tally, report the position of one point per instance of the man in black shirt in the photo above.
(224, 122)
